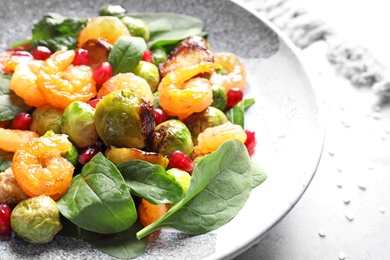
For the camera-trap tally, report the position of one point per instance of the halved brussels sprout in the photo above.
(171, 135)
(111, 10)
(219, 97)
(149, 72)
(123, 119)
(46, 118)
(159, 55)
(78, 123)
(137, 27)
(98, 51)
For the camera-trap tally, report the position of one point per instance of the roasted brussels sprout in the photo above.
(219, 97)
(78, 123)
(149, 72)
(171, 135)
(137, 27)
(198, 122)
(111, 10)
(45, 118)
(182, 177)
(98, 51)
(159, 55)
(123, 119)
(36, 220)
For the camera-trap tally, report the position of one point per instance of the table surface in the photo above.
(345, 212)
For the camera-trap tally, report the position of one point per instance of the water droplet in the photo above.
(350, 216)
(322, 232)
(342, 255)
(382, 209)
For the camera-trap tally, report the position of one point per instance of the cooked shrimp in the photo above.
(134, 83)
(211, 138)
(107, 28)
(24, 83)
(182, 95)
(61, 83)
(39, 168)
(235, 76)
(148, 213)
(11, 139)
(10, 60)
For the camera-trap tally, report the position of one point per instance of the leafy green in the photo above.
(126, 53)
(56, 32)
(10, 103)
(236, 114)
(220, 185)
(98, 199)
(123, 245)
(5, 160)
(259, 175)
(151, 182)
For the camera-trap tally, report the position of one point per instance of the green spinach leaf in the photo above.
(236, 114)
(123, 245)
(126, 53)
(5, 160)
(259, 175)
(10, 103)
(98, 199)
(151, 182)
(220, 185)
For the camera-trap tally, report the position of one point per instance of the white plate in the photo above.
(285, 116)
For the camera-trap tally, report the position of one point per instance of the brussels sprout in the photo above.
(198, 122)
(78, 123)
(111, 10)
(171, 135)
(219, 97)
(149, 72)
(45, 118)
(159, 55)
(123, 119)
(36, 220)
(137, 27)
(182, 177)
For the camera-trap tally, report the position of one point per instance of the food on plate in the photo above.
(120, 125)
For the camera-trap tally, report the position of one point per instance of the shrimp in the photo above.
(149, 213)
(11, 59)
(107, 28)
(182, 95)
(211, 138)
(40, 169)
(235, 76)
(61, 83)
(134, 83)
(11, 139)
(24, 83)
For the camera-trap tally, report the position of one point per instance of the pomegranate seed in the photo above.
(5, 223)
(21, 121)
(81, 58)
(41, 53)
(93, 102)
(147, 56)
(86, 153)
(182, 161)
(234, 95)
(160, 116)
(250, 142)
(102, 73)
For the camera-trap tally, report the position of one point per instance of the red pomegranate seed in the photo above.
(86, 153)
(41, 53)
(102, 73)
(182, 161)
(93, 102)
(21, 121)
(147, 56)
(5, 224)
(81, 58)
(234, 95)
(160, 116)
(250, 142)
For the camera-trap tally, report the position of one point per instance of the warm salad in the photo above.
(118, 125)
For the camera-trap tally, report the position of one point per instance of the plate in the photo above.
(286, 118)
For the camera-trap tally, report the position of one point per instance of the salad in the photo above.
(116, 126)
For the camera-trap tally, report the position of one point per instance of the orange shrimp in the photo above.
(182, 95)
(40, 169)
(24, 83)
(211, 138)
(10, 60)
(107, 28)
(11, 139)
(134, 83)
(61, 83)
(235, 76)
(148, 213)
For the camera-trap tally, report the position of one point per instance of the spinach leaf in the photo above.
(248, 102)
(126, 53)
(236, 114)
(123, 245)
(259, 175)
(151, 182)
(98, 199)
(10, 103)
(167, 29)
(56, 32)
(220, 185)
(5, 160)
